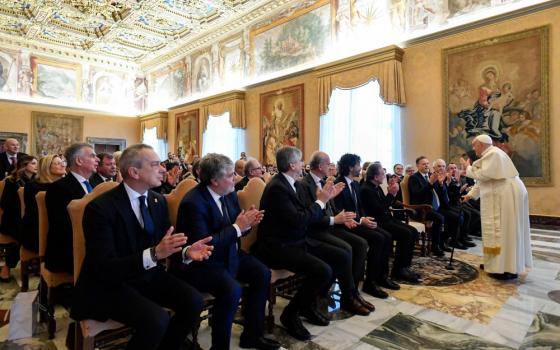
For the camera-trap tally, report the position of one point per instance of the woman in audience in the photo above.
(117, 156)
(51, 168)
(11, 219)
(195, 168)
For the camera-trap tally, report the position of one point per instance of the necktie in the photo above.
(225, 212)
(88, 186)
(427, 178)
(13, 160)
(146, 217)
(435, 200)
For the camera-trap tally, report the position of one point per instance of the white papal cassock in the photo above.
(504, 211)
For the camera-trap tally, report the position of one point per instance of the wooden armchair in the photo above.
(26, 256)
(422, 225)
(49, 280)
(4, 239)
(176, 196)
(87, 329)
(280, 279)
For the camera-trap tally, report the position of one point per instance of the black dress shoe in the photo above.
(373, 290)
(315, 317)
(292, 323)
(364, 302)
(261, 343)
(389, 284)
(459, 245)
(468, 244)
(447, 248)
(481, 266)
(468, 238)
(353, 305)
(438, 252)
(405, 274)
(503, 276)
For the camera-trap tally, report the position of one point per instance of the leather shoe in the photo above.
(481, 266)
(365, 303)
(447, 248)
(468, 244)
(459, 245)
(293, 325)
(315, 317)
(406, 275)
(503, 276)
(353, 305)
(261, 343)
(468, 238)
(389, 284)
(438, 252)
(373, 290)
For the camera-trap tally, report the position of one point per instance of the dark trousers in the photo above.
(405, 236)
(380, 247)
(454, 226)
(437, 228)
(10, 252)
(354, 245)
(227, 290)
(317, 261)
(140, 303)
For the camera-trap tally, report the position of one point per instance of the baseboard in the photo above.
(545, 222)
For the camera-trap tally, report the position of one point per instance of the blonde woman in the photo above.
(51, 168)
(117, 156)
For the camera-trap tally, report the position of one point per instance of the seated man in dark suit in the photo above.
(127, 234)
(380, 241)
(283, 243)
(211, 209)
(106, 169)
(376, 204)
(10, 157)
(82, 161)
(459, 186)
(421, 190)
(331, 229)
(252, 169)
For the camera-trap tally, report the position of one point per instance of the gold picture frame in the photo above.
(500, 87)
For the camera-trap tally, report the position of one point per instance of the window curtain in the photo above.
(150, 137)
(361, 124)
(157, 121)
(232, 103)
(384, 66)
(221, 137)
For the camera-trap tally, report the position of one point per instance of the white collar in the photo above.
(79, 177)
(316, 178)
(132, 194)
(348, 180)
(290, 179)
(214, 195)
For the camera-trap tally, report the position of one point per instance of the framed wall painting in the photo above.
(281, 121)
(106, 145)
(51, 133)
(188, 144)
(58, 80)
(500, 87)
(21, 137)
(288, 41)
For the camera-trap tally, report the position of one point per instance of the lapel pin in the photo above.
(155, 200)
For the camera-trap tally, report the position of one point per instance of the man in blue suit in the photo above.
(212, 209)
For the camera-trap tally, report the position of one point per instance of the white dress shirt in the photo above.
(81, 180)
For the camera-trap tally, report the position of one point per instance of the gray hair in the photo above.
(214, 166)
(373, 170)
(74, 151)
(130, 158)
(285, 156)
(249, 165)
(317, 158)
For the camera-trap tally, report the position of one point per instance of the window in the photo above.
(360, 122)
(160, 146)
(221, 137)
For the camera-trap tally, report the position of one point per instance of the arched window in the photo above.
(360, 122)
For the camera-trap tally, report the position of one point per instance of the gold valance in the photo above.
(383, 65)
(232, 102)
(155, 120)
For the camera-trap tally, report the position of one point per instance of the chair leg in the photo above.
(423, 235)
(50, 312)
(25, 275)
(271, 302)
(43, 308)
(195, 330)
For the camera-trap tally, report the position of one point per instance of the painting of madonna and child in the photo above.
(499, 87)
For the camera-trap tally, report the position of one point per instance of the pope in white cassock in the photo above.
(504, 210)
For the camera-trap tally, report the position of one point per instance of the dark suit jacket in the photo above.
(375, 203)
(199, 217)
(96, 179)
(344, 200)
(30, 227)
(286, 217)
(309, 196)
(5, 167)
(419, 189)
(242, 183)
(442, 192)
(114, 245)
(59, 253)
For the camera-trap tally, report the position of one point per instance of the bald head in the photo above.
(11, 146)
(240, 166)
(253, 169)
(319, 163)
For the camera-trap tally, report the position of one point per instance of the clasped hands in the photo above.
(173, 243)
(249, 218)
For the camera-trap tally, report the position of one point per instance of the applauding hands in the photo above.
(173, 243)
(249, 218)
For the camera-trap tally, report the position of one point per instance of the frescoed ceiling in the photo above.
(129, 30)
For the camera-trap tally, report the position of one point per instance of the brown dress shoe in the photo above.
(353, 305)
(365, 303)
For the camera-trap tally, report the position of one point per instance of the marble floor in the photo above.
(481, 314)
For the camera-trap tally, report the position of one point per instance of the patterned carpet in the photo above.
(434, 272)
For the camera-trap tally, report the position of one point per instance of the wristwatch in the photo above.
(153, 254)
